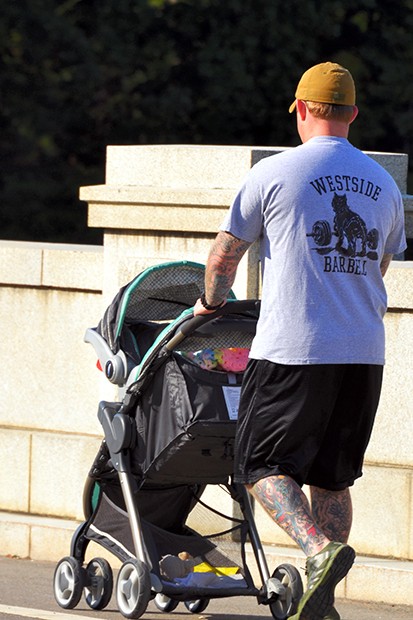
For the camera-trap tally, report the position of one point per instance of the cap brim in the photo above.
(292, 106)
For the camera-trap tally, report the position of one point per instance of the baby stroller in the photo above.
(168, 438)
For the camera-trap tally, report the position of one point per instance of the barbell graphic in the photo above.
(322, 234)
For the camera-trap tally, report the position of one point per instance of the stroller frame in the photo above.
(114, 473)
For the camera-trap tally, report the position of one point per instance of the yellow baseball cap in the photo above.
(327, 82)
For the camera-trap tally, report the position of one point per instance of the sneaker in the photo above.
(324, 571)
(332, 615)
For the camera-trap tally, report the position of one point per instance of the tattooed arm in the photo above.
(224, 257)
(385, 262)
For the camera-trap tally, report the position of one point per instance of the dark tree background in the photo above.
(77, 75)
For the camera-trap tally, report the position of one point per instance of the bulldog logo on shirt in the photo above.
(353, 239)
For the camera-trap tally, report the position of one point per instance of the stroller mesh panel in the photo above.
(223, 529)
(160, 293)
(164, 294)
(167, 507)
(110, 527)
(221, 340)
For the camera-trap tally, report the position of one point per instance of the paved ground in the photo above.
(26, 591)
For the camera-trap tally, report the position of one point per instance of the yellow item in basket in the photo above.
(204, 567)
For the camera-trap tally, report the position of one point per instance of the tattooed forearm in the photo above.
(224, 257)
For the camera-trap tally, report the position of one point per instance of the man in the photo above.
(328, 219)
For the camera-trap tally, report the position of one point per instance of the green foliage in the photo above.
(77, 75)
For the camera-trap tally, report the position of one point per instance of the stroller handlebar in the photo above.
(192, 323)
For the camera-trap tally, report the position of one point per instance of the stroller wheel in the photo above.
(99, 583)
(197, 606)
(286, 605)
(133, 589)
(164, 603)
(68, 582)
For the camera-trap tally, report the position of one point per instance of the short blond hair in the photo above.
(330, 111)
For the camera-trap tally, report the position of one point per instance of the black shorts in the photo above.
(312, 423)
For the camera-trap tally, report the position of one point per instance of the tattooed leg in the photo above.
(282, 498)
(333, 512)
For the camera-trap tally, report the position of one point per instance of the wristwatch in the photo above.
(208, 306)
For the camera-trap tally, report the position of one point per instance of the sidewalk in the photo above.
(371, 579)
(34, 599)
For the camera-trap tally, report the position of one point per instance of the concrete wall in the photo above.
(49, 388)
(49, 295)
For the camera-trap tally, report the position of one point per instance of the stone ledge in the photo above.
(187, 166)
(141, 207)
(73, 268)
(161, 209)
(396, 164)
(176, 219)
(54, 265)
(408, 214)
(162, 196)
(408, 202)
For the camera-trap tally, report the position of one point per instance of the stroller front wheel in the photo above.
(133, 589)
(286, 605)
(165, 604)
(197, 606)
(99, 583)
(68, 582)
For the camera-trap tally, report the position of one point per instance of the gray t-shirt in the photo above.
(325, 214)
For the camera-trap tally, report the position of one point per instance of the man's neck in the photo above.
(327, 128)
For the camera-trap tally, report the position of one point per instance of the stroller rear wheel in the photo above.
(197, 606)
(164, 603)
(68, 582)
(286, 605)
(99, 583)
(133, 589)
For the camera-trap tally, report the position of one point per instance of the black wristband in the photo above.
(208, 306)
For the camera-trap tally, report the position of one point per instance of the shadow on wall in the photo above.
(408, 255)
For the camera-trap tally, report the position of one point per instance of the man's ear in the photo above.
(301, 109)
(355, 113)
